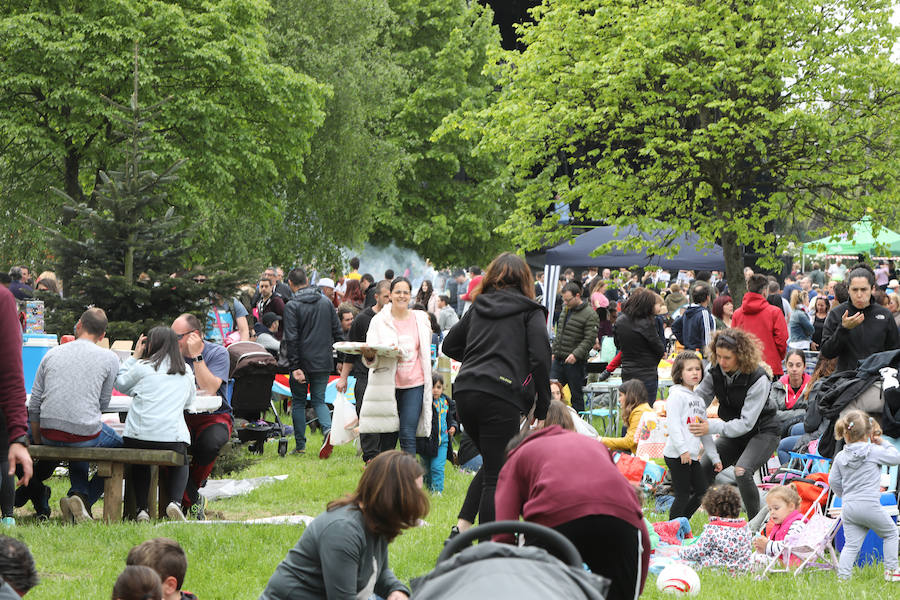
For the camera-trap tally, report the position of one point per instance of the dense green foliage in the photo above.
(125, 250)
(450, 202)
(240, 119)
(710, 116)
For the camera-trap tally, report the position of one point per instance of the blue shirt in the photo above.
(226, 313)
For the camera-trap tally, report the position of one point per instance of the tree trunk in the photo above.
(734, 267)
(73, 186)
(129, 266)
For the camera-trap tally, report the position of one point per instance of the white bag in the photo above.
(344, 416)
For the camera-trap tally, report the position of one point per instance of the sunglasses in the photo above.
(727, 339)
(181, 335)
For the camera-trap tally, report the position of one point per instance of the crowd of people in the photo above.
(741, 393)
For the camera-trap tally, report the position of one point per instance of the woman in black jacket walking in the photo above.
(504, 348)
(637, 338)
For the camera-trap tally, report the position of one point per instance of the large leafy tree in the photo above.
(700, 115)
(353, 163)
(449, 201)
(242, 120)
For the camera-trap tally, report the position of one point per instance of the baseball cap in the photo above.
(269, 318)
(894, 284)
(326, 282)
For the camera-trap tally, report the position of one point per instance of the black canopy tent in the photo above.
(578, 254)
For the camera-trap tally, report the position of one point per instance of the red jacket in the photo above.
(472, 284)
(766, 322)
(12, 377)
(556, 476)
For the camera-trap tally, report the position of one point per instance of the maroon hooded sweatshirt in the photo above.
(766, 322)
(556, 476)
(12, 377)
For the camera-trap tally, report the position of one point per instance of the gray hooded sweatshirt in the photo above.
(856, 474)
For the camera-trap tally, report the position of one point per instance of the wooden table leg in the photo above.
(154, 484)
(112, 490)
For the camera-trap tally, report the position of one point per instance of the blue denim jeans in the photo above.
(90, 491)
(315, 385)
(409, 407)
(787, 444)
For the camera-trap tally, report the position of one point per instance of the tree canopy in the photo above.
(242, 121)
(708, 116)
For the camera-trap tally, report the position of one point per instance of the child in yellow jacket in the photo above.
(632, 406)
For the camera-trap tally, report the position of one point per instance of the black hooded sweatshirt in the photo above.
(877, 333)
(504, 349)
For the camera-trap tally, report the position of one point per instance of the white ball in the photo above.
(678, 578)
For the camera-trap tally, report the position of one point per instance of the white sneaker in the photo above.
(893, 575)
(79, 512)
(173, 511)
(66, 510)
(142, 517)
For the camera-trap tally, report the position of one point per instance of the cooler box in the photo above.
(872, 548)
(34, 347)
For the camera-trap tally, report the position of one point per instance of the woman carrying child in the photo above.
(725, 541)
(856, 478)
(433, 449)
(161, 388)
(682, 449)
(632, 404)
(785, 519)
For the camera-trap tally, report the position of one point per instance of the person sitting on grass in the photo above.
(343, 553)
(167, 558)
(785, 519)
(433, 449)
(137, 583)
(726, 540)
(161, 387)
(632, 405)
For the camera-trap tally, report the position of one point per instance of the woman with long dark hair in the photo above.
(637, 338)
(821, 308)
(747, 424)
(343, 553)
(859, 327)
(427, 298)
(161, 387)
(503, 345)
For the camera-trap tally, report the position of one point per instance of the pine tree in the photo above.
(125, 251)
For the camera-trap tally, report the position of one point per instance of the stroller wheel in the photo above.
(282, 447)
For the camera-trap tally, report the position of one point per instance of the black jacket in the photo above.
(311, 327)
(640, 345)
(503, 345)
(877, 333)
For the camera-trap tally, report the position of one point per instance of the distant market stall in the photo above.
(859, 240)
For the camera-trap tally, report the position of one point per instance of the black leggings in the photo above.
(140, 474)
(748, 452)
(689, 483)
(491, 422)
(612, 548)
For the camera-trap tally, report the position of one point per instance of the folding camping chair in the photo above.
(813, 546)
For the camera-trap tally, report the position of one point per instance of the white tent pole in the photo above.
(551, 279)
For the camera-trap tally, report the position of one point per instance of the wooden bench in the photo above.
(111, 464)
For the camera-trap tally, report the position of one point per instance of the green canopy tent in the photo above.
(860, 239)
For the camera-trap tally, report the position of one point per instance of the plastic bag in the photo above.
(344, 416)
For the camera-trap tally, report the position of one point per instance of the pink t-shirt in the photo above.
(409, 372)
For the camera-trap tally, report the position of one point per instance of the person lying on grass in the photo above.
(343, 554)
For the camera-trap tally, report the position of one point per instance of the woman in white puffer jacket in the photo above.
(398, 397)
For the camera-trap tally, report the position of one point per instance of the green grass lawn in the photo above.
(231, 561)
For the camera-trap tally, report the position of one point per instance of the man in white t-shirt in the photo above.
(837, 270)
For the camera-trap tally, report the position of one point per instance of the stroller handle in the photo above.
(555, 542)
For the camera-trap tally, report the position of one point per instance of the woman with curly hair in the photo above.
(747, 423)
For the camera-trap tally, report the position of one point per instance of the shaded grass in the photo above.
(234, 561)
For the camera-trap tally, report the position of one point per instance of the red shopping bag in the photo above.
(631, 467)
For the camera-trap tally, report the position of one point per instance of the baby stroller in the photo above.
(506, 572)
(252, 373)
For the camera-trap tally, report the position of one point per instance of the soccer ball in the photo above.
(678, 578)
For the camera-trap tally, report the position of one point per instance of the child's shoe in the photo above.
(893, 576)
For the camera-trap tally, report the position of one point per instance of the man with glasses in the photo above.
(311, 327)
(209, 431)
